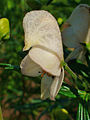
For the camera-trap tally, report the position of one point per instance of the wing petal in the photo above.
(50, 87)
(29, 67)
(48, 61)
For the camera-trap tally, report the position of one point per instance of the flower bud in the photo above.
(4, 28)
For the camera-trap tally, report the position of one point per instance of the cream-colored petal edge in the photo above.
(29, 67)
(48, 61)
(46, 83)
(56, 85)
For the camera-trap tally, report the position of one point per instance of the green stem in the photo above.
(9, 66)
(77, 80)
(1, 118)
(74, 76)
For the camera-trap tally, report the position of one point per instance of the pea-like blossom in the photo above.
(44, 42)
(76, 30)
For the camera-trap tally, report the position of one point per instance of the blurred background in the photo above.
(20, 95)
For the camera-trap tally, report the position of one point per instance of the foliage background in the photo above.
(20, 95)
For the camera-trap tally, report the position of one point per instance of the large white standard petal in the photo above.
(48, 61)
(29, 67)
(77, 27)
(41, 28)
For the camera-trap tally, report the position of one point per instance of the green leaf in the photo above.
(86, 114)
(9, 66)
(84, 94)
(82, 113)
(67, 92)
(78, 113)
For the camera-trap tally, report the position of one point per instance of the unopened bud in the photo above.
(4, 28)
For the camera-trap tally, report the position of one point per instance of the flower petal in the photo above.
(46, 83)
(41, 28)
(74, 54)
(88, 37)
(79, 24)
(56, 85)
(48, 61)
(30, 68)
(50, 87)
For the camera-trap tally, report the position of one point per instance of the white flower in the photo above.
(76, 30)
(43, 36)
